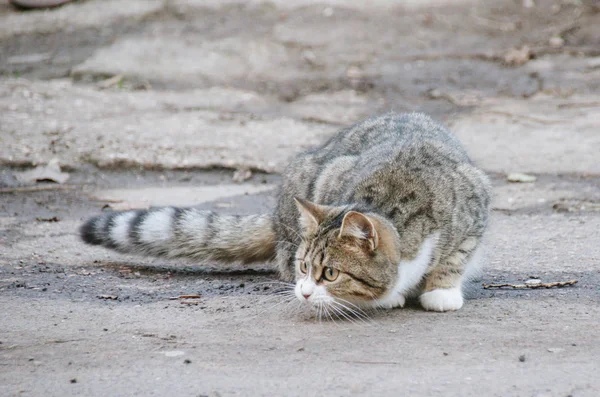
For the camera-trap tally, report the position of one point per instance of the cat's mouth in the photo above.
(327, 306)
(318, 300)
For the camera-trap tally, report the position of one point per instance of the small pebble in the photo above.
(445, 354)
(187, 361)
(520, 177)
(522, 358)
(556, 41)
(74, 380)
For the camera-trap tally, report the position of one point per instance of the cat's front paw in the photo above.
(442, 300)
(396, 300)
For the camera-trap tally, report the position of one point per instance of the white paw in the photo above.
(442, 300)
(390, 302)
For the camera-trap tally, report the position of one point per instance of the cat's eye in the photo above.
(303, 267)
(330, 273)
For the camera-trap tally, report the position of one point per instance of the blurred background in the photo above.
(161, 83)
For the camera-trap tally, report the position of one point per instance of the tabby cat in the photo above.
(386, 209)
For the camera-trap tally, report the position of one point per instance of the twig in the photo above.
(108, 297)
(494, 57)
(371, 362)
(571, 50)
(446, 55)
(185, 297)
(110, 82)
(36, 188)
(533, 286)
(579, 105)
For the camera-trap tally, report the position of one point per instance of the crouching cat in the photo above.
(386, 209)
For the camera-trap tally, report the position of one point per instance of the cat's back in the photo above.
(404, 166)
(392, 148)
(386, 136)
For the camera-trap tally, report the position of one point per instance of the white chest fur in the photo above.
(410, 274)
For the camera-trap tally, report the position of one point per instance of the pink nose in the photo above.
(306, 296)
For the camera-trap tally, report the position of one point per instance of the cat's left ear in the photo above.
(311, 214)
(358, 225)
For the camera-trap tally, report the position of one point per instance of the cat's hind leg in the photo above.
(442, 290)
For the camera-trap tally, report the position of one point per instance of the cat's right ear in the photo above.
(311, 214)
(360, 226)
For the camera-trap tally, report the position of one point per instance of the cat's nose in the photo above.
(306, 296)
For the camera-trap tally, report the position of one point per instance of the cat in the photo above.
(387, 209)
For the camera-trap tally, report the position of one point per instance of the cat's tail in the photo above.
(184, 233)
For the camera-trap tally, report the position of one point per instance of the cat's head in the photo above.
(345, 256)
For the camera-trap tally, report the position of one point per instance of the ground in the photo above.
(179, 102)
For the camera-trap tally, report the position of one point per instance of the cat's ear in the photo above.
(311, 214)
(358, 225)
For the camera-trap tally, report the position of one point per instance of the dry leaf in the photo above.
(242, 175)
(43, 173)
(518, 56)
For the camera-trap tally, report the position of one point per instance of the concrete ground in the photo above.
(202, 103)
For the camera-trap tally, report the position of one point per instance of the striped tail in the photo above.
(184, 233)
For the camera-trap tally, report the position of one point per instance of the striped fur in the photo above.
(184, 233)
(370, 198)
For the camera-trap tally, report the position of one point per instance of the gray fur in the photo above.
(406, 168)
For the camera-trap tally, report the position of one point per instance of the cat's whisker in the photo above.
(275, 282)
(283, 291)
(340, 312)
(320, 310)
(294, 245)
(290, 308)
(354, 305)
(328, 313)
(278, 301)
(299, 306)
(286, 299)
(295, 232)
(283, 294)
(355, 309)
(349, 312)
(264, 310)
(280, 289)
